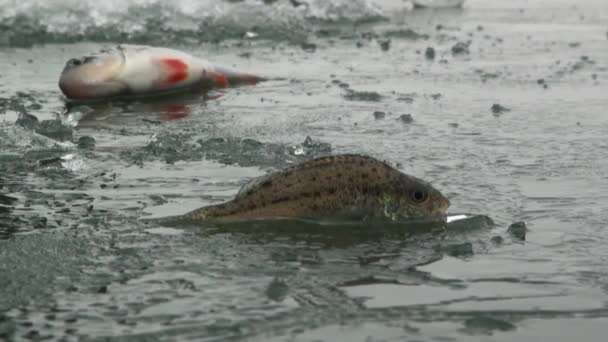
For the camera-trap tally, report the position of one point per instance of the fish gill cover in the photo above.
(26, 23)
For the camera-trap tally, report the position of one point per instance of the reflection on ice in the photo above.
(456, 217)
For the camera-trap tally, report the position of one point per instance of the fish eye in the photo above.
(88, 59)
(74, 62)
(418, 195)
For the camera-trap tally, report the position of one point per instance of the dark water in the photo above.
(76, 262)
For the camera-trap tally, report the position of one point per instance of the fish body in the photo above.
(138, 70)
(343, 187)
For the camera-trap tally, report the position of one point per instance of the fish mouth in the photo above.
(93, 76)
(445, 204)
(441, 210)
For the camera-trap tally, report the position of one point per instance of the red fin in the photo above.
(219, 79)
(177, 70)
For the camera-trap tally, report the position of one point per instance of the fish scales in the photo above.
(332, 186)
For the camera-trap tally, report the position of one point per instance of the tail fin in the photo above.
(235, 77)
(169, 221)
(192, 217)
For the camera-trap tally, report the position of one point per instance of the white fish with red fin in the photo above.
(137, 70)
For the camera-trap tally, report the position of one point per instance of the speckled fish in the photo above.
(136, 70)
(343, 187)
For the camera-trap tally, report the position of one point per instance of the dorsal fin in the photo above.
(252, 185)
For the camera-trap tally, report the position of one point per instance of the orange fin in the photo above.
(177, 70)
(219, 79)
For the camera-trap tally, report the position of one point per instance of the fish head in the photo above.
(94, 76)
(414, 199)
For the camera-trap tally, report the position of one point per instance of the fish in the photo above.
(138, 71)
(344, 187)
